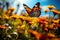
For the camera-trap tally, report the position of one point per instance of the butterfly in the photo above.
(35, 11)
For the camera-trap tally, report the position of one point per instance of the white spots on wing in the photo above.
(35, 5)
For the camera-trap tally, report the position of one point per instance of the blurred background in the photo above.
(43, 3)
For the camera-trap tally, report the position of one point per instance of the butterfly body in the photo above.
(35, 11)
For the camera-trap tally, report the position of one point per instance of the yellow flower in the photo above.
(14, 16)
(45, 11)
(55, 21)
(6, 17)
(18, 27)
(28, 18)
(22, 27)
(11, 8)
(51, 35)
(50, 6)
(55, 11)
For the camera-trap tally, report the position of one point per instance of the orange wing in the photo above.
(27, 8)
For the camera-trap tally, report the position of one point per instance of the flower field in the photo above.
(24, 27)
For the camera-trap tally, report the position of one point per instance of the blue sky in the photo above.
(31, 3)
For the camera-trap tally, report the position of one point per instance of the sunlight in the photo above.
(21, 1)
(44, 8)
(21, 4)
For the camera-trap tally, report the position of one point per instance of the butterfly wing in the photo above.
(37, 5)
(36, 11)
(27, 8)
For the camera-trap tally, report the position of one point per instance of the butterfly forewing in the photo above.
(27, 8)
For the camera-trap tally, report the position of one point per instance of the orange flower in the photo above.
(55, 38)
(30, 22)
(46, 29)
(57, 25)
(51, 6)
(45, 22)
(35, 33)
(42, 20)
(51, 35)
(38, 19)
(3, 27)
(55, 21)
(0, 16)
(21, 17)
(11, 8)
(5, 11)
(39, 36)
(14, 16)
(45, 11)
(55, 12)
(51, 27)
(28, 19)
